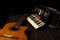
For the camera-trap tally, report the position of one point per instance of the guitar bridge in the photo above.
(5, 36)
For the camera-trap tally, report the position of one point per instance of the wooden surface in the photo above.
(40, 34)
(15, 34)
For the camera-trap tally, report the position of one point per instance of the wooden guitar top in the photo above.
(7, 34)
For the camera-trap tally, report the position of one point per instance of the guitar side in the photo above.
(7, 34)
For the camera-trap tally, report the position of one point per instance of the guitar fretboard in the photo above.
(35, 21)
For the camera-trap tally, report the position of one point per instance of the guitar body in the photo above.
(7, 34)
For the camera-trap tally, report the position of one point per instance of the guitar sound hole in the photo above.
(14, 28)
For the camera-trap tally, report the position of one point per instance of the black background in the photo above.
(23, 6)
(15, 7)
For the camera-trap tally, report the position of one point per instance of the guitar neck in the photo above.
(20, 21)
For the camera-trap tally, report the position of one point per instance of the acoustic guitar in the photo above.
(13, 31)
